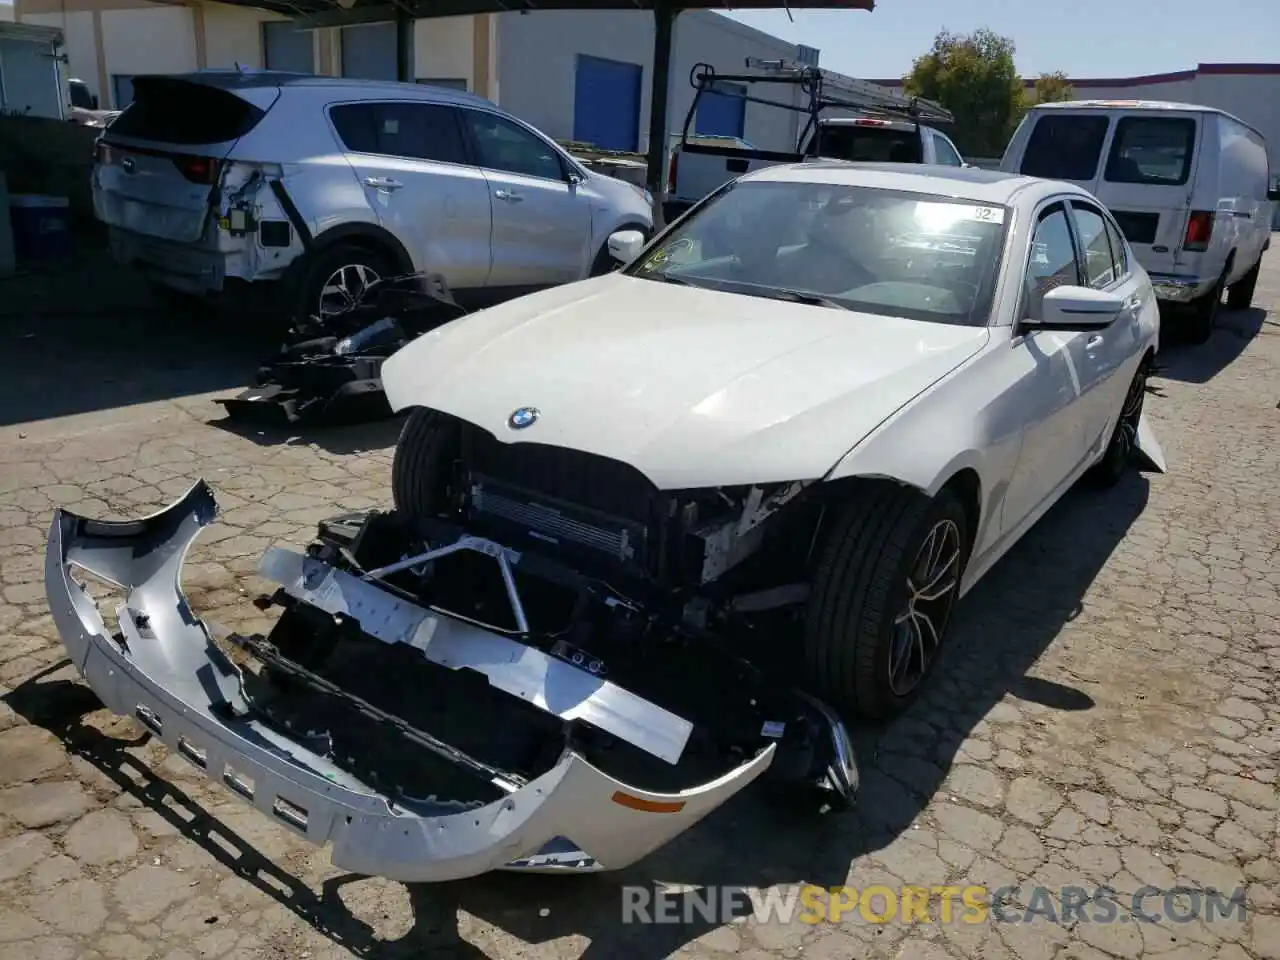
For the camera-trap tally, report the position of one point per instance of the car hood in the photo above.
(692, 387)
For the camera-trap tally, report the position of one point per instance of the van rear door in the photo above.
(1139, 163)
(1147, 181)
(159, 163)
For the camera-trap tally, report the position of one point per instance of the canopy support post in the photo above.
(664, 16)
(404, 46)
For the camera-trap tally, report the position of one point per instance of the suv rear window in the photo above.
(1065, 146)
(178, 111)
(1152, 150)
(875, 144)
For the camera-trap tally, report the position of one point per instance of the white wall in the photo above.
(30, 78)
(233, 35)
(443, 49)
(77, 33)
(538, 51)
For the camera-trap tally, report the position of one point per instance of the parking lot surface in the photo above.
(1107, 713)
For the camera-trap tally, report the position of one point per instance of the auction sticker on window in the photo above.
(940, 216)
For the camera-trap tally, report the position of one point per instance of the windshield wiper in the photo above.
(669, 278)
(796, 296)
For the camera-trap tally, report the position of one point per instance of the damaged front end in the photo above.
(423, 743)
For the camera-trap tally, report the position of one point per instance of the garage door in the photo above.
(606, 103)
(288, 48)
(369, 51)
(722, 112)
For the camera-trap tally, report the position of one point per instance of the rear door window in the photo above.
(1152, 150)
(1065, 146)
(873, 144)
(169, 110)
(415, 131)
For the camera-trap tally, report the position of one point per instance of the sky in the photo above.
(1084, 38)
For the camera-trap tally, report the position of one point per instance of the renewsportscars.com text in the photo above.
(920, 904)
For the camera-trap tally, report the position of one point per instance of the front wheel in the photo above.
(881, 600)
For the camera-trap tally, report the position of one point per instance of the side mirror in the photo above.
(1077, 308)
(625, 245)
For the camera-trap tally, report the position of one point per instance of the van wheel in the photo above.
(1204, 313)
(1240, 293)
(335, 279)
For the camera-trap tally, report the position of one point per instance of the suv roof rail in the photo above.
(822, 89)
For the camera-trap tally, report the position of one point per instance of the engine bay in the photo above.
(635, 689)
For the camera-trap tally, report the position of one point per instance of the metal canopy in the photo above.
(337, 13)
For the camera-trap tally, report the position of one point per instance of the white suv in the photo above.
(293, 191)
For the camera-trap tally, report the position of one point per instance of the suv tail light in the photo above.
(201, 170)
(1199, 231)
(672, 170)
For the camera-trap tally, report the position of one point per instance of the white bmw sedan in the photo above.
(843, 388)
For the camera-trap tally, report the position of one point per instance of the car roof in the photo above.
(244, 79)
(971, 183)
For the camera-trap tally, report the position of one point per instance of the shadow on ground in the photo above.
(84, 335)
(1000, 630)
(335, 438)
(1200, 363)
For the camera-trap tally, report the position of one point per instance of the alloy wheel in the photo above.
(932, 586)
(344, 288)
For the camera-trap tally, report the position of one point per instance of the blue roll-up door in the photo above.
(606, 103)
(722, 112)
(288, 48)
(369, 51)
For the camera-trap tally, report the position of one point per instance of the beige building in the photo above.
(108, 42)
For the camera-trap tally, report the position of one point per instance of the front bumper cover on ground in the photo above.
(164, 669)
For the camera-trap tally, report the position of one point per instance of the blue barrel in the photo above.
(41, 226)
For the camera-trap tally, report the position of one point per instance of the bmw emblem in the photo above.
(522, 417)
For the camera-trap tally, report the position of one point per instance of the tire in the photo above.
(860, 586)
(359, 264)
(1240, 293)
(422, 466)
(1203, 315)
(1108, 471)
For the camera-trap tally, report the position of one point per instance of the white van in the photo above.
(1189, 185)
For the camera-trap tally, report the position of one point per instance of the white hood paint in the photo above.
(694, 388)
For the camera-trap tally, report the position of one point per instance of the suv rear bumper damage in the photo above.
(164, 669)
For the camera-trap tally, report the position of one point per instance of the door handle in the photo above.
(1133, 304)
(508, 195)
(382, 183)
(1094, 341)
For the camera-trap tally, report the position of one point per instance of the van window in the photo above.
(1065, 146)
(1152, 150)
(184, 112)
(875, 144)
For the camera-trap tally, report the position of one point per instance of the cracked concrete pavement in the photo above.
(1106, 714)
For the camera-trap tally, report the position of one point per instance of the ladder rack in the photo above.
(822, 89)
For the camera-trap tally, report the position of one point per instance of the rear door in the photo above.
(1147, 181)
(159, 162)
(541, 221)
(1104, 364)
(411, 160)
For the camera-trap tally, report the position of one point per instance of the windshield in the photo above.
(877, 251)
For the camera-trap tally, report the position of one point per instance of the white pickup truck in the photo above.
(881, 125)
(692, 176)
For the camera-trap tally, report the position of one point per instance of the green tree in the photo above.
(1053, 88)
(975, 78)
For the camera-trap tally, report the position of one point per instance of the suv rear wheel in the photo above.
(336, 277)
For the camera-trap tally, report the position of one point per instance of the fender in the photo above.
(367, 231)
